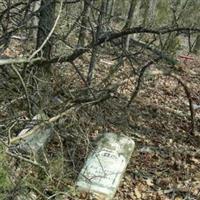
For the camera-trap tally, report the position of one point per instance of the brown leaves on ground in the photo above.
(165, 164)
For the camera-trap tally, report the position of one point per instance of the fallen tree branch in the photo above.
(10, 61)
(103, 96)
(142, 71)
(39, 126)
(178, 113)
(107, 37)
(187, 92)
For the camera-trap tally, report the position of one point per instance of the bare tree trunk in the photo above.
(196, 48)
(137, 17)
(145, 8)
(174, 8)
(35, 20)
(149, 12)
(46, 21)
(170, 41)
(110, 9)
(95, 38)
(189, 42)
(84, 23)
(129, 21)
(152, 11)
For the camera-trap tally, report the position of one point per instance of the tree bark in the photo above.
(149, 12)
(110, 9)
(95, 39)
(145, 8)
(129, 21)
(84, 23)
(196, 48)
(35, 20)
(152, 11)
(46, 22)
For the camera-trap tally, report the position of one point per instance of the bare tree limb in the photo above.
(137, 88)
(188, 94)
(24, 87)
(105, 38)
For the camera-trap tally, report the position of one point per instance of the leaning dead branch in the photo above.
(188, 94)
(137, 88)
(103, 96)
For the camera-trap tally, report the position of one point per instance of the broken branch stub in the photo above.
(105, 166)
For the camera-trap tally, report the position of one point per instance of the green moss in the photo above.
(5, 183)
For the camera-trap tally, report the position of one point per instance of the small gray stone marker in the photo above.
(36, 142)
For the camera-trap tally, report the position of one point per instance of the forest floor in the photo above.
(165, 163)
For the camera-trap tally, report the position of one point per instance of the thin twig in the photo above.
(9, 132)
(83, 79)
(33, 162)
(25, 89)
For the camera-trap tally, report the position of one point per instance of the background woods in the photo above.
(93, 66)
